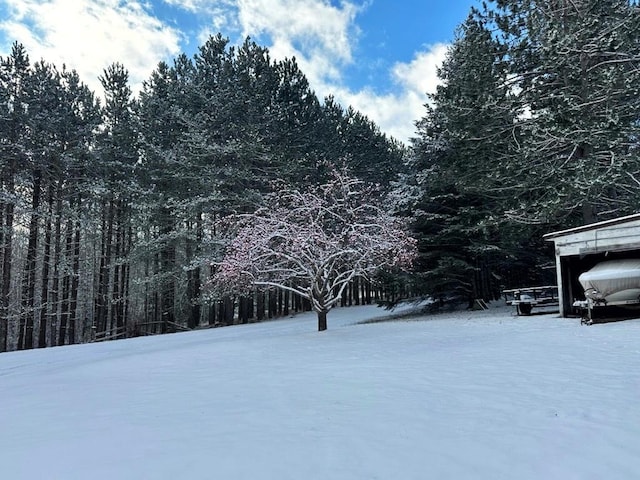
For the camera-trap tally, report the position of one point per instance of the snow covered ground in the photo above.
(467, 395)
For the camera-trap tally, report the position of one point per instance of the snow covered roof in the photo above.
(592, 226)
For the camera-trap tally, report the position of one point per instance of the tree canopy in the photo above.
(314, 242)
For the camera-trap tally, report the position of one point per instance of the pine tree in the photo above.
(296, 113)
(80, 119)
(14, 75)
(44, 161)
(117, 149)
(468, 129)
(576, 67)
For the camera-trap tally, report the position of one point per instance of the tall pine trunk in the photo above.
(4, 317)
(6, 246)
(167, 266)
(115, 320)
(193, 275)
(104, 274)
(67, 327)
(55, 285)
(75, 272)
(46, 265)
(126, 269)
(25, 333)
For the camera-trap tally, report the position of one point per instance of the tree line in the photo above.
(110, 206)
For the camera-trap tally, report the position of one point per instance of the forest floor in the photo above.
(460, 395)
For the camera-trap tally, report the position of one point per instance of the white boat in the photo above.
(613, 282)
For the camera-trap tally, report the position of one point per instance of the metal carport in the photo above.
(578, 249)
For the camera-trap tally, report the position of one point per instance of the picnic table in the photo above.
(525, 298)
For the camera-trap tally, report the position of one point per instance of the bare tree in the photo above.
(315, 242)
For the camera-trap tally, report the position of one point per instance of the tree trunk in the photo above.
(146, 307)
(287, 297)
(356, 290)
(66, 329)
(55, 287)
(226, 310)
(229, 310)
(114, 315)
(243, 317)
(280, 302)
(104, 275)
(212, 314)
(221, 314)
(46, 261)
(124, 306)
(272, 303)
(120, 269)
(25, 335)
(167, 266)
(260, 301)
(193, 275)
(6, 224)
(322, 320)
(4, 300)
(75, 277)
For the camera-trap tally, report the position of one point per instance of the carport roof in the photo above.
(591, 226)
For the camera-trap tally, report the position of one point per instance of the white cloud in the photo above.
(421, 75)
(89, 35)
(318, 34)
(317, 27)
(189, 5)
(198, 6)
(322, 38)
(396, 113)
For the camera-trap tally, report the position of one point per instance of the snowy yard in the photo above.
(468, 395)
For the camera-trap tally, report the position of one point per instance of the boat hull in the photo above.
(613, 281)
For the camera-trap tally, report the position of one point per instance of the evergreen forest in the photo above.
(111, 204)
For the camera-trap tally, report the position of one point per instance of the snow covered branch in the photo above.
(315, 242)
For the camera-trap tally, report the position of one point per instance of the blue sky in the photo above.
(378, 55)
